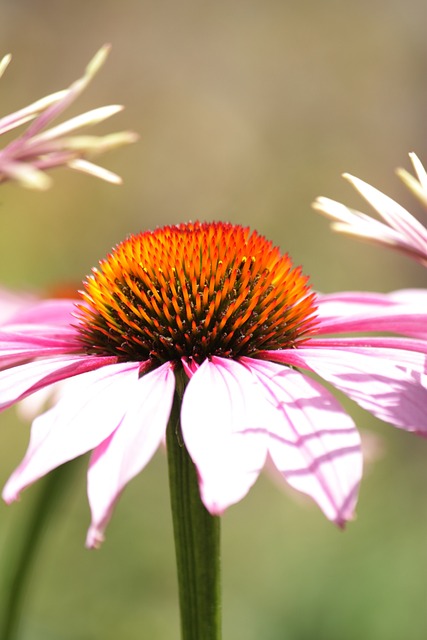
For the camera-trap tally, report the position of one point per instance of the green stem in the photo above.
(22, 551)
(197, 541)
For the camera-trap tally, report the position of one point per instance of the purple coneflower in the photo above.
(215, 315)
(27, 158)
(401, 231)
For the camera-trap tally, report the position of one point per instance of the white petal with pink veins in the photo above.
(390, 383)
(91, 407)
(130, 447)
(52, 311)
(314, 443)
(224, 417)
(18, 382)
(404, 319)
(393, 213)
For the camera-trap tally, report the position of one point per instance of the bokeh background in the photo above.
(247, 111)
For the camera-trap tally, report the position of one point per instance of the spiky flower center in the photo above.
(194, 290)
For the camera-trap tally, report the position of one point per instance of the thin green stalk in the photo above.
(197, 541)
(22, 551)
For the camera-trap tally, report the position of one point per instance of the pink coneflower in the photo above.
(217, 315)
(27, 158)
(401, 231)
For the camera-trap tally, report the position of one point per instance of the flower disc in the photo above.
(194, 290)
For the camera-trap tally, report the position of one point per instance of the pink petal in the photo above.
(407, 347)
(190, 366)
(34, 342)
(350, 303)
(393, 213)
(410, 296)
(11, 303)
(38, 402)
(315, 444)
(395, 319)
(224, 416)
(36, 336)
(91, 407)
(20, 381)
(55, 311)
(130, 447)
(390, 383)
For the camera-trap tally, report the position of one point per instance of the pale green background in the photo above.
(246, 111)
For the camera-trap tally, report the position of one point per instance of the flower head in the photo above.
(218, 311)
(28, 157)
(194, 291)
(401, 231)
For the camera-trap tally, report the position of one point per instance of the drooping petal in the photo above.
(32, 341)
(46, 312)
(390, 383)
(413, 296)
(349, 303)
(20, 381)
(402, 319)
(23, 342)
(387, 347)
(13, 355)
(404, 311)
(224, 415)
(36, 403)
(130, 447)
(91, 407)
(314, 443)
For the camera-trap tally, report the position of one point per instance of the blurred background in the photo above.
(246, 111)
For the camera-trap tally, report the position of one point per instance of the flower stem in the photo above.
(23, 548)
(197, 541)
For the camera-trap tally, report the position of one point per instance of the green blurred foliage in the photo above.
(247, 111)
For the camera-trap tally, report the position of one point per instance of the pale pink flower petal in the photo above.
(315, 445)
(349, 303)
(92, 406)
(417, 185)
(19, 308)
(35, 403)
(44, 312)
(224, 418)
(128, 449)
(400, 319)
(44, 336)
(393, 213)
(400, 229)
(410, 296)
(31, 154)
(21, 341)
(20, 381)
(405, 308)
(389, 383)
(17, 354)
